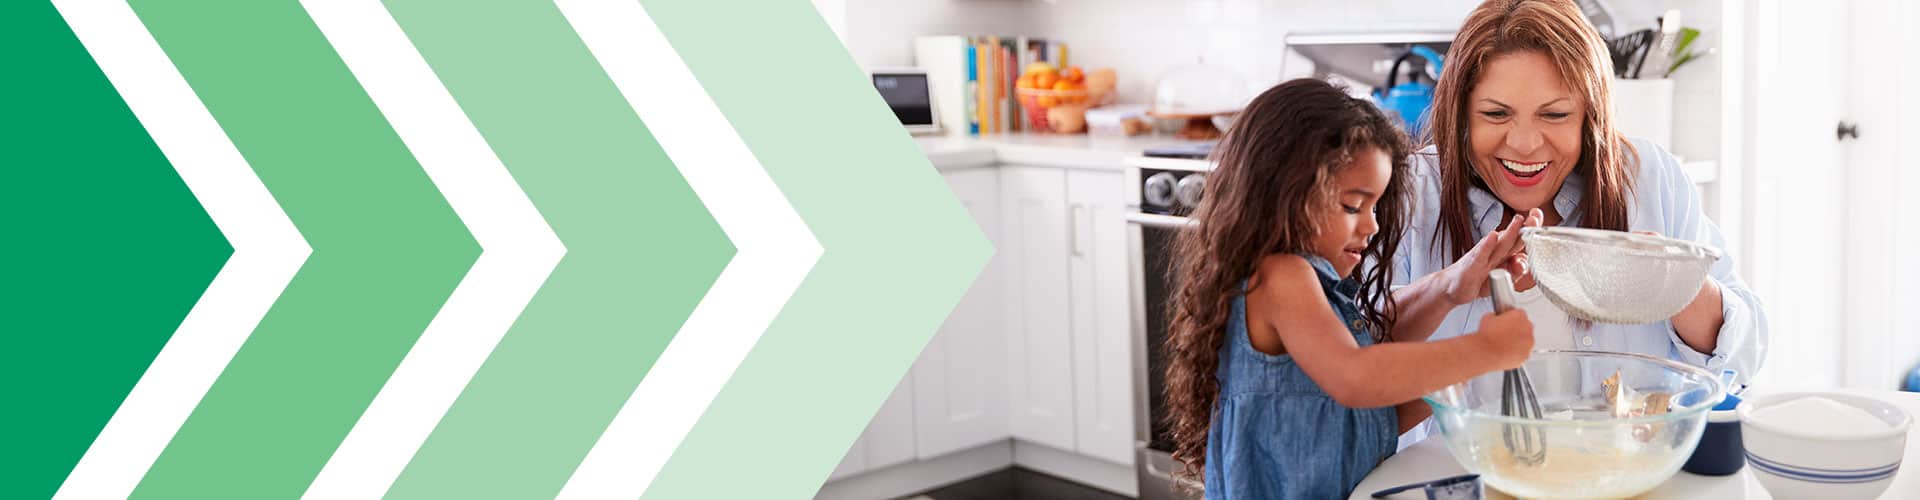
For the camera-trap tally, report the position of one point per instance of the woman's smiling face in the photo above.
(1525, 126)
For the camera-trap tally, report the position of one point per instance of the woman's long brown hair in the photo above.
(1273, 175)
(1556, 29)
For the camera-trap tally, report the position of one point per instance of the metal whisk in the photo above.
(1527, 443)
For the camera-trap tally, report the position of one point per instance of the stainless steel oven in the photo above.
(1160, 192)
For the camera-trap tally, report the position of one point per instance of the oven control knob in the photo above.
(1158, 190)
(1189, 190)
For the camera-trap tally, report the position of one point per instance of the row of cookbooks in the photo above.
(972, 78)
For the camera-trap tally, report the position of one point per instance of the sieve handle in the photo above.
(1502, 284)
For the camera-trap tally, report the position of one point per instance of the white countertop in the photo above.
(948, 152)
(1429, 460)
(1046, 150)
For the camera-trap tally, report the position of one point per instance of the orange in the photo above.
(1073, 74)
(1026, 82)
(1044, 80)
(1064, 85)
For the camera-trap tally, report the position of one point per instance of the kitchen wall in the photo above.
(880, 33)
(1145, 39)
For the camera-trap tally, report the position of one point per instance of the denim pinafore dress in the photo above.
(1275, 433)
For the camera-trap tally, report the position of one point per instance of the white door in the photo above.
(1103, 347)
(1040, 348)
(960, 381)
(888, 439)
(1882, 214)
(1901, 130)
(1835, 225)
(1797, 209)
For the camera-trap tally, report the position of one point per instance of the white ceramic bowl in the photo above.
(1805, 463)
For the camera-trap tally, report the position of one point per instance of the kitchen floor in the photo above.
(1016, 484)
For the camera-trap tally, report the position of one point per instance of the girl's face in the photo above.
(1525, 129)
(1343, 229)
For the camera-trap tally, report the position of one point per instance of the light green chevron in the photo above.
(899, 249)
(387, 250)
(641, 249)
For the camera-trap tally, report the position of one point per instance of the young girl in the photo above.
(1278, 383)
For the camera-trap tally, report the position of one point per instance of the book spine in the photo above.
(973, 90)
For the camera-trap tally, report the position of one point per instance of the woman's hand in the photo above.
(1466, 279)
(1426, 301)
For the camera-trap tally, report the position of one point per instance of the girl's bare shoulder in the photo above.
(1283, 278)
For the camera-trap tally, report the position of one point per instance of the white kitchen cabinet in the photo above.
(1038, 350)
(888, 440)
(1037, 302)
(1102, 342)
(960, 379)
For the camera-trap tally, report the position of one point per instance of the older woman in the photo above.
(1522, 133)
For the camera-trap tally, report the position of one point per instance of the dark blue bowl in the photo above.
(1720, 452)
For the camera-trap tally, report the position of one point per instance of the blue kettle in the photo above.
(1409, 100)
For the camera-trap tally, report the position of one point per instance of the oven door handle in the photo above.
(1150, 462)
(1159, 221)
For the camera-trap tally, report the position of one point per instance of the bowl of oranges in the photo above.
(1057, 99)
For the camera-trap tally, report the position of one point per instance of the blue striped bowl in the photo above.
(1805, 463)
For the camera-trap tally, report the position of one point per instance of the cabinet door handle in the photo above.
(1074, 218)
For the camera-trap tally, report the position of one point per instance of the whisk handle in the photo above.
(1502, 284)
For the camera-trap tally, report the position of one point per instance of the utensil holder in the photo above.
(1644, 109)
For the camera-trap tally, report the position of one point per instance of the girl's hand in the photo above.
(1466, 279)
(1509, 337)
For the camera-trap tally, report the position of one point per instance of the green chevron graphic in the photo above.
(104, 252)
(641, 249)
(898, 255)
(107, 250)
(387, 250)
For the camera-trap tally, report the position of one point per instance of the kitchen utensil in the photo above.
(1626, 49)
(1590, 452)
(1640, 53)
(1411, 99)
(1798, 459)
(1614, 276)
(1461, 487)
(1661, 53)
(1517, 398)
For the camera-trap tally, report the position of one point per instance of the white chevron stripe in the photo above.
(775, 250)
(267, 250)
(519, 249)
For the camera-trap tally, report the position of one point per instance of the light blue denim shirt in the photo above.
(1664, 201)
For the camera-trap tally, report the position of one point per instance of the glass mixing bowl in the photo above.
(1595, 447)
